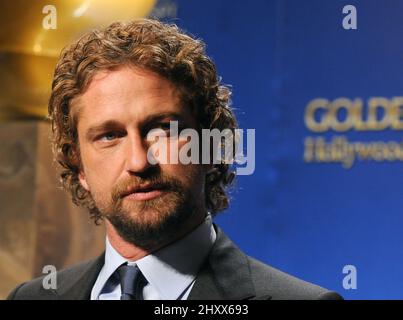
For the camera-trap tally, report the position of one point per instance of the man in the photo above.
(111, 89)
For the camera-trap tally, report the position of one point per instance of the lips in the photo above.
(144, 192)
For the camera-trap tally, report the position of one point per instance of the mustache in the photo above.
(160, 182)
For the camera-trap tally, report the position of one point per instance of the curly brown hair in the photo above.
(155, 46)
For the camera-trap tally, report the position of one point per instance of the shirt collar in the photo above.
(170, 270)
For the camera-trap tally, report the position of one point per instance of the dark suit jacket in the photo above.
(227, 274)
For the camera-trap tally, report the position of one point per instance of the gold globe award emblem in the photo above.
(32, 34)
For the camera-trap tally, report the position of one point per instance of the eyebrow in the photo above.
(151, 119)
(109, 125)
(102, 127)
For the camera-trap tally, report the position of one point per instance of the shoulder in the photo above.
(269, 281)
(35, 289)
(258, 279)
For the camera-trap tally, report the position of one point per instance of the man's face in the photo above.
(115, 114)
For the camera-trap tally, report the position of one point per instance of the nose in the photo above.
(136, 155)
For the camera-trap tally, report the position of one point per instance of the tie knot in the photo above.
(132, 282)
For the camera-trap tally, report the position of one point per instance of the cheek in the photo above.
(192, 175)
(101, 171)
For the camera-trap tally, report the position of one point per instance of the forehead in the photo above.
(127, 93)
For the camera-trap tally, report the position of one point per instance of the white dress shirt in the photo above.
(170, 271)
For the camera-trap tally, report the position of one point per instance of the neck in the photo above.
(131, 252)
(127, 250)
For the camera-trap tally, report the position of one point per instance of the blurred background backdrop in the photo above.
(326, 103)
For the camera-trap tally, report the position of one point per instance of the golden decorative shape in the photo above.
(29, 47)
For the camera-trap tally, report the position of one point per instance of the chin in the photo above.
(148, 214)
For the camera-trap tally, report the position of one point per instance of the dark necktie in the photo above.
(132, 282)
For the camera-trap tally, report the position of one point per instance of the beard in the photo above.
(150, 223)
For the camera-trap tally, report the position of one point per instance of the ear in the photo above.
(83, 181)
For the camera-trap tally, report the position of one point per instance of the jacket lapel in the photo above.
(78, 286)
(225, 275)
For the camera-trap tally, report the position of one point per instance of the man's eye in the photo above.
(109, 136)
(164, 125)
